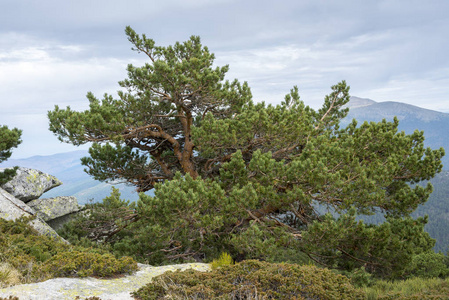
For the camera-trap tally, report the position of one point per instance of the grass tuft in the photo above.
(414, 288)
(8, 275)
(224, 260)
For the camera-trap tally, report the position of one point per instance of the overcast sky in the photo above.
(54, 52)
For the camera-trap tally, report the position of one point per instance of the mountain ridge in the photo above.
(390, 109)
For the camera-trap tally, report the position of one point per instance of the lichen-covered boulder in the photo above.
(12, 208)
(113, 289)
(30, 184)
(52, 208)
(56, 211)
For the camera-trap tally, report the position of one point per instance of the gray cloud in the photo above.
(54, 52)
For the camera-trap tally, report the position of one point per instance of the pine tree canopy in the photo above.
(9, 138)
(146, 134)
(251, 177)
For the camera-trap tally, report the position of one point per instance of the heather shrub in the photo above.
(36, 258)
(81, 264)
(251, 279)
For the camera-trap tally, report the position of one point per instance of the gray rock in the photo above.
(30, 184)
(52, 208)
(12, 208)
(113, 289)
(58, 223)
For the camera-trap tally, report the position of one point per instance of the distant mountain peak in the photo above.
(356, 102)
(389, 109)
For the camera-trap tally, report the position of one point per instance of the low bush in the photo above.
(251, 279)
(224, 260)
(429, 265)
(359, 277)
(82, 263)
(33, 257)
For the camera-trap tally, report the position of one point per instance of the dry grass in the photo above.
(414, 288)
(8, 275)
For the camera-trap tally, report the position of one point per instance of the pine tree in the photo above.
(9, 138)
(248, 178)
(147, 132)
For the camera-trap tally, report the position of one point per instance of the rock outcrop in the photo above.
(19, 197)
(56, 211)
(12, 208)
(113, 289)
(30, 184)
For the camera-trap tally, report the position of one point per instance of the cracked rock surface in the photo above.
(11, 209)
(52, 208)
(113, 289)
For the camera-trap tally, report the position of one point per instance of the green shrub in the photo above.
(83, 263)
(418, 296)
(37, 258)
(103, 225)
(360, 277)
(251, 279)
(224, 260)
(429, 265)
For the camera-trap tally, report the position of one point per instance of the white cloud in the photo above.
(36, 138)
(273, 71)
(385, 65)
(36, 85)
(27, 54)
(39, 77)
(430, 91)
(34, 79)
(53, 52)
